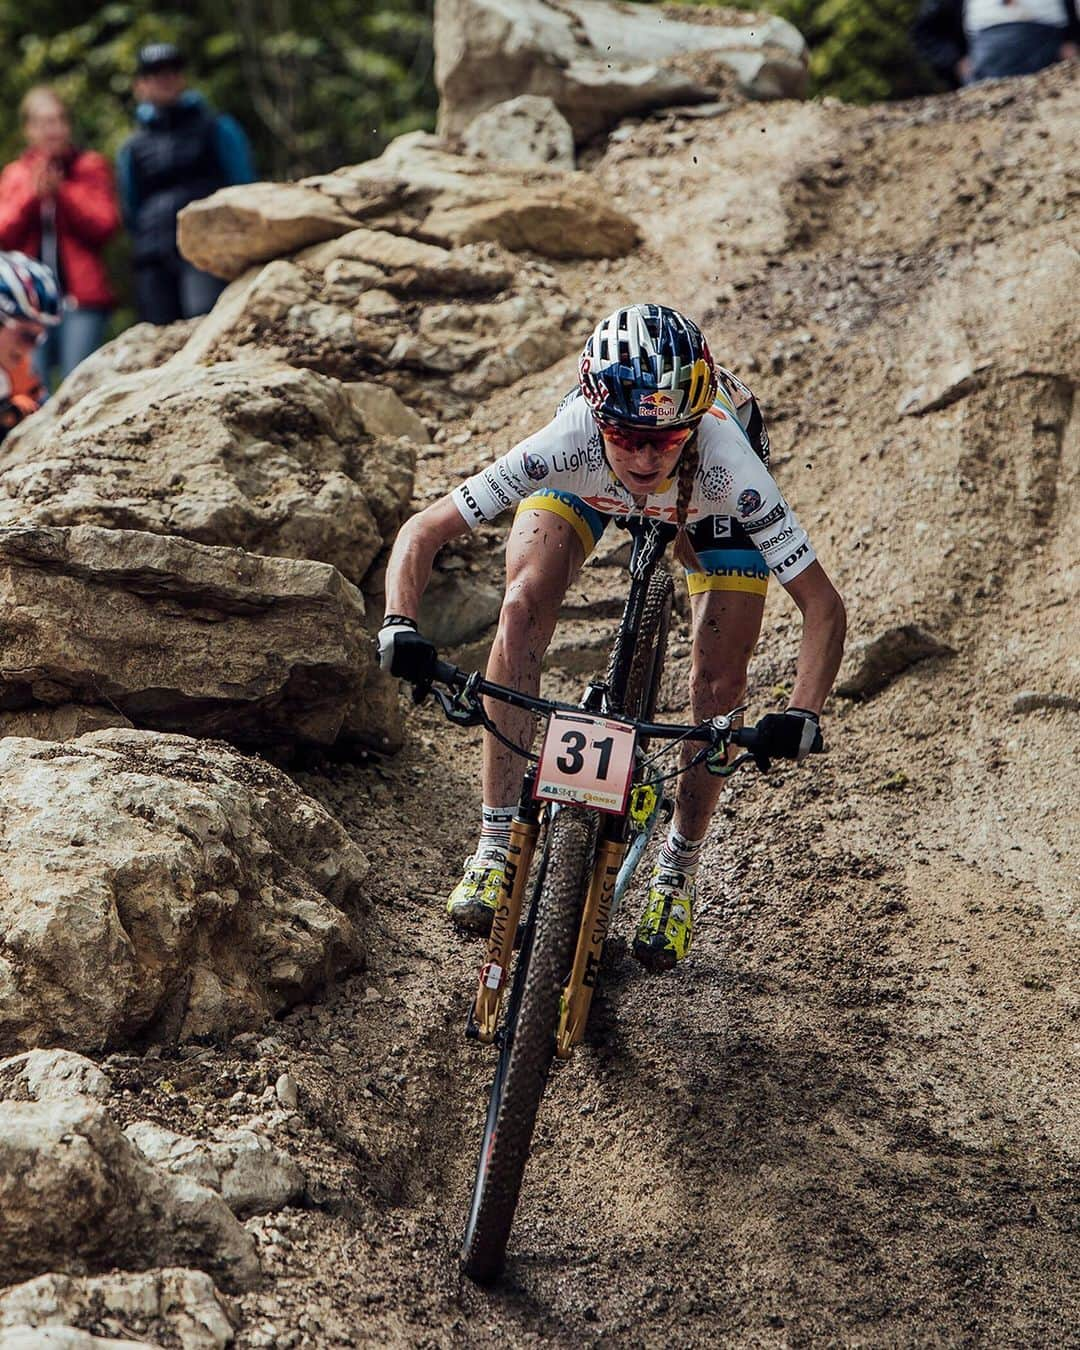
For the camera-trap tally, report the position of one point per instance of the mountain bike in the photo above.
(595, 793)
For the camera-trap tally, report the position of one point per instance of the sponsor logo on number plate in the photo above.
(586, 759)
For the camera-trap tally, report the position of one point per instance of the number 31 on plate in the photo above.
(586, 759)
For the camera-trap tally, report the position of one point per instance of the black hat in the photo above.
(157, 56)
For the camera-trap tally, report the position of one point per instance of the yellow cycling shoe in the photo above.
(475, 898)
(667, 925)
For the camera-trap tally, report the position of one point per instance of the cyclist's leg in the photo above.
(727, 599)
(550, 539)
(548, 542)
(726, 625)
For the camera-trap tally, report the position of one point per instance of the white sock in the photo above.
(680, 853)
(495, 831)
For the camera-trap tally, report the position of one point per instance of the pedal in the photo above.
(643, 801)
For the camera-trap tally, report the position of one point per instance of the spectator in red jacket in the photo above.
(58, 204)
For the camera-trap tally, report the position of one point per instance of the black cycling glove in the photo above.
(406, 653)
(790, 735)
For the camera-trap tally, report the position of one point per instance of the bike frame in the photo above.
(651, 539)
(611, 873)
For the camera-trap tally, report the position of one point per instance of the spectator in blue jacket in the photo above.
(181, 151)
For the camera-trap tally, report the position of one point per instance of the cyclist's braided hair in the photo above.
(688, 467)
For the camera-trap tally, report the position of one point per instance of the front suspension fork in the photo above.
(577, 996)
(524, 829)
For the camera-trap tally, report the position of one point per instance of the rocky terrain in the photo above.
(237, 1105)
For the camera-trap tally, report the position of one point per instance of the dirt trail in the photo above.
(852, 1117)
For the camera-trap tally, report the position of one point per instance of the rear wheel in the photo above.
(528, 1041)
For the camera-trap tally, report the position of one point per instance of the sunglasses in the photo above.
(29, 337)
(630, 438)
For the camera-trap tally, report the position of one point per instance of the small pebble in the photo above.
(287, 1095)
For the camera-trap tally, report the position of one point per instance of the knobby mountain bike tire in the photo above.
(650, 649)
(529, 1042)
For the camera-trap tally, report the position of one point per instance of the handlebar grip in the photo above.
(449, 674)
(748, 738)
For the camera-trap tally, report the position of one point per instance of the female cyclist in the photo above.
(654, 428)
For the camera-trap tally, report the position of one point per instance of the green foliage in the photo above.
(860, 50)
(315, 84)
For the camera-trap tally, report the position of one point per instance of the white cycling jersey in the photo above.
(731, 485)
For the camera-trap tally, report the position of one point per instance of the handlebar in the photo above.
(469, 688)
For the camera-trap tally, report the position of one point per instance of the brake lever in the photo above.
(716, 761)
(461, 707)
(718, 766)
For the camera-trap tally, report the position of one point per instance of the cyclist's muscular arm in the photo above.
(419, 539)
(824, 628)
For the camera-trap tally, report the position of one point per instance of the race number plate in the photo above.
(586, 759)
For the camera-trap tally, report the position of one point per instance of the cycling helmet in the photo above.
(648, 366)
(28, 290)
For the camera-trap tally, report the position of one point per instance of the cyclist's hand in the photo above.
(790, 735)
(406, 653)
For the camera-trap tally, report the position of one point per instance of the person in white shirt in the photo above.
(970, 40)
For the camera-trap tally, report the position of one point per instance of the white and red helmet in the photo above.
(28, 290)
(648, 366)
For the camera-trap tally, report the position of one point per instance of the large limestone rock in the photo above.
(267, 652)
(545, 220)
(245, 1169)
(252, 455)
(65, 1338)
(51, 1075)
(415, 179)
(59, 722)
(140, 347)
(157, 886)
(440, 182)
(174, 1305)
(601, 60)
(77, 1197)
(441, 326)
(260, 221)
(458, 607)
(523, 130)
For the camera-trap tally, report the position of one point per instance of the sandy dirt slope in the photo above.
(851, 1118)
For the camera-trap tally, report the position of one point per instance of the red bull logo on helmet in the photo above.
(658, 405)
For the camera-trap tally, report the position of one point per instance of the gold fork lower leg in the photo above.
(577, 996)
(489, 991)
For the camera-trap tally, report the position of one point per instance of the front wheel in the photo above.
(528, 1042)
(650, 649)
